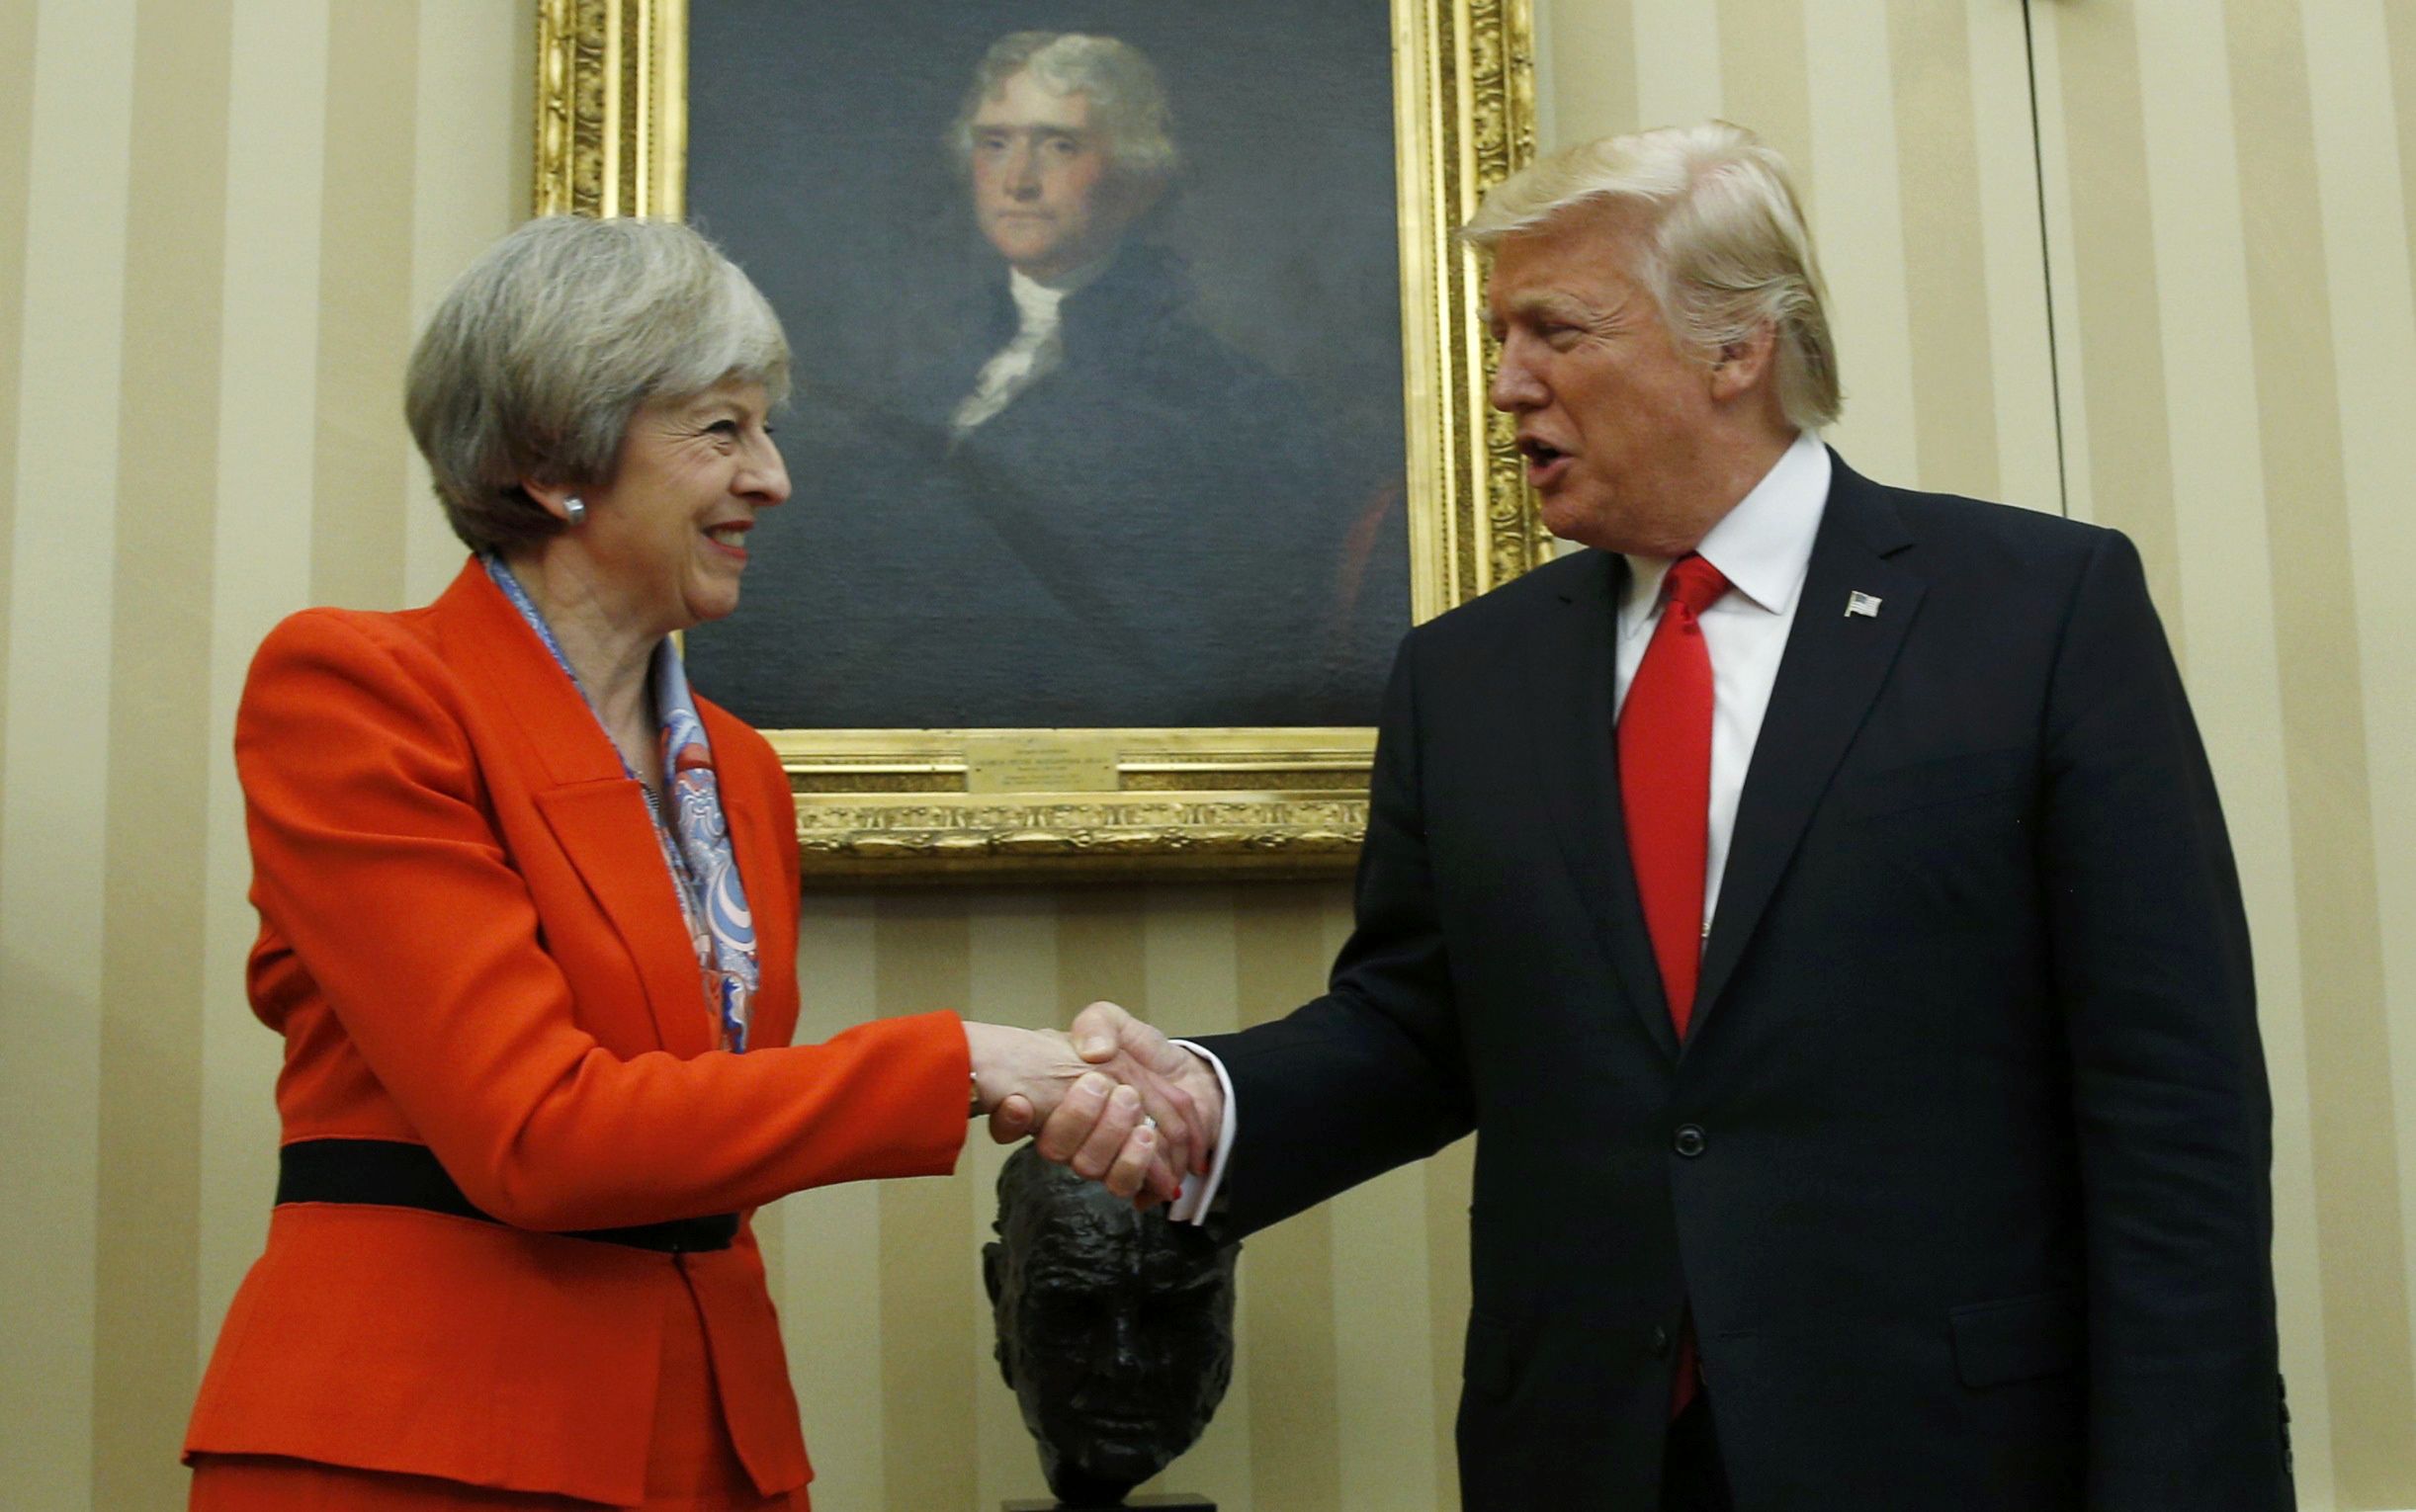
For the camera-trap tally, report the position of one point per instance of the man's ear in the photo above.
(1740, 367)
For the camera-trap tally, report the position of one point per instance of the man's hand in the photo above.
(1092, 1124)
(1022, 1077)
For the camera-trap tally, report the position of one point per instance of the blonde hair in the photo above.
(543, 348)
(1724, 250)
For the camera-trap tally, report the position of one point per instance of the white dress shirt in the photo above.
(1764, 548)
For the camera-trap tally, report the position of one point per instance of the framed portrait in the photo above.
(1138, 399)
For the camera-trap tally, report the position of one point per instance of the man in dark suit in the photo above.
(1816, 898)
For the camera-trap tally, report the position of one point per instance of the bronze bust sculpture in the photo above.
(1115, 1328)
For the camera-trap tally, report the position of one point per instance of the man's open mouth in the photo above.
(1543, 459)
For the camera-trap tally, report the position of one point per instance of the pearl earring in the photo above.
(577, 509)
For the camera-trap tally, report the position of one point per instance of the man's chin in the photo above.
(1574, 526)
(1120, 1459)
(1020, 250)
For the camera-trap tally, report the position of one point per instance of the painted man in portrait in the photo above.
(1084, 508)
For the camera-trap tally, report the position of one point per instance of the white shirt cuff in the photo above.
(1192, 1206)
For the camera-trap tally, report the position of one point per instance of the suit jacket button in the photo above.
(1689, 1140)
(1661, 1342)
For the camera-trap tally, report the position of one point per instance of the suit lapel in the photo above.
(595, 808)
(1571, 677)
(604, 831)
(1833, 668)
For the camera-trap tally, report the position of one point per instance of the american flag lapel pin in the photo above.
(1864, 604)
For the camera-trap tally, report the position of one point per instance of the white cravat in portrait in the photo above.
(1033, 351)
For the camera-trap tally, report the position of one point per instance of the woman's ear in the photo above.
(561, 500)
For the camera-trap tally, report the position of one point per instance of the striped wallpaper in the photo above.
(2177, 300)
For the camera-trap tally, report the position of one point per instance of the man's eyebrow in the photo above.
(1029, 128)
(1547, 302)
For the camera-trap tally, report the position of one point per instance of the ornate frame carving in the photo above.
(924, 806)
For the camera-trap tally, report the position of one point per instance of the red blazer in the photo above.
(469, 942)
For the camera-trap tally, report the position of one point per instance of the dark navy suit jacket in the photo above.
(1963, 1167)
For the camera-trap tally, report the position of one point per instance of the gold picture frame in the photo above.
(921, 805)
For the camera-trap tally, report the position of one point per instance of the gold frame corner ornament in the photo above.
(612, 109)
(920, 806)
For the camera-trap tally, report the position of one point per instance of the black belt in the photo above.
(381, 1173)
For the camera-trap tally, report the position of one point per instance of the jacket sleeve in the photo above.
(379, 861)
(1372, 1074)
(2172, 1113)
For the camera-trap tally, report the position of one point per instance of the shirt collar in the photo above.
(1763, 546)
(1036, 302)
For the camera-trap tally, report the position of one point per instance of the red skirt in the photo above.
(691, 1466)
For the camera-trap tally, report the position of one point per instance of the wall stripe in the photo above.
(2060, 235)
(365, 302)
(466, 182)
(2365, 1302)
(16, 147)
(1015, 941)
(1945, 258)
(52, 808)
(1102, 954)
(1378, 1284)
(1588, 74)
(2400, 45)
(1191, 965)
(2028, 464)
(159, 685)
(267, 391)
(1678, 61)
(1859, 224)
(833, 1300)
(1765, 85)
(921, 961)
(1547, 114)
(1450, 1190)
(2120, 402)
(1279, 961)
(2359, 176)
(2228, 595)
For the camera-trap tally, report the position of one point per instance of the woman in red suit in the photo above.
(527, 927)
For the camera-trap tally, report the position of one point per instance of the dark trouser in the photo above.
(1691, 1479)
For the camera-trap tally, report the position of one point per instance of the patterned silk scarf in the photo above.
(695, 840)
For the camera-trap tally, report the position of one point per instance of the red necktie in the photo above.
(1664, 780)
(1664, 796)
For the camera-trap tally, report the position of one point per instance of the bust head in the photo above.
(1115, 1327)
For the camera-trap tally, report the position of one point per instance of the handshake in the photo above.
(1111, 1097)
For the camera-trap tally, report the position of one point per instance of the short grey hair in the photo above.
(1126, 98)
(1724, 246)
(544, 349)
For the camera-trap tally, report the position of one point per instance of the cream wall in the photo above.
(220, 220)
